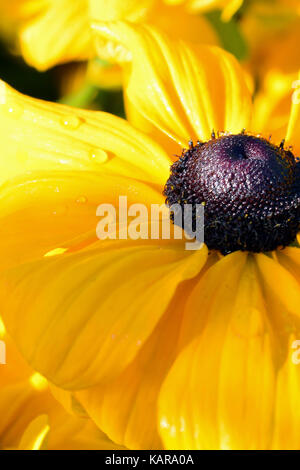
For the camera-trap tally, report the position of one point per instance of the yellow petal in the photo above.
(293, 131)
(126, 408)
(23, 396)
(60, 33)
(31, 418)
(79, 435)
(131, 10)
(52, 212)
(283, 301)
(225, 387)
(290, 259)
(287, 416)
(177, 20)
(272, 106)
(38, 135)
(174, 90)
(35, 436)
(15, 13)
(75, 343)
(229, 7)
(59, 431)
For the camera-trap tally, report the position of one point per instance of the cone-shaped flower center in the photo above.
(249, 187)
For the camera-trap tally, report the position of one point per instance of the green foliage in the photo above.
(230, 35)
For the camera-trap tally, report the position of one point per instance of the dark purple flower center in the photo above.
(250, 189)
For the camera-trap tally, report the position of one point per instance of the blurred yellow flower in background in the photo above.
(162, 347)
(272, 32)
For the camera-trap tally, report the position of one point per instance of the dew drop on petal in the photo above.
(98, 156)
(81, 200)
(71, 122)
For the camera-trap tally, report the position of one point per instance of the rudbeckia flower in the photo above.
(31, 419)
(162, 347)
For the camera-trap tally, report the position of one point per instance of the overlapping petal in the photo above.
(272, 105)
(59, 33)
(131, 10)
(39, 135)
(86, 280)
(293, 130)
(23, 395)
(17, 12)
(228, 7)
(225, 386)
(36, 434)
(177, 91)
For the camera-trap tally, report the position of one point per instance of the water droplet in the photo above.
(15, 110)
(81, 200)
(98, 155)
(71, 122)
(55, 252)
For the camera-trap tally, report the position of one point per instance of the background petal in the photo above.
(174, 90)
(93, 320)
(224, 388)
(126, 408)
(39, 135)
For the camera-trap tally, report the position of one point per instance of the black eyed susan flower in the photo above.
(161, 346)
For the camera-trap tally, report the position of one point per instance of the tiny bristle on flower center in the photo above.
(250, 189)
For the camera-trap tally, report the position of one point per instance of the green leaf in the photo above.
(230, 35)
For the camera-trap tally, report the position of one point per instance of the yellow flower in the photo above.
(163, 347)
(51, 32)
(31, 418)
(293, 4)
